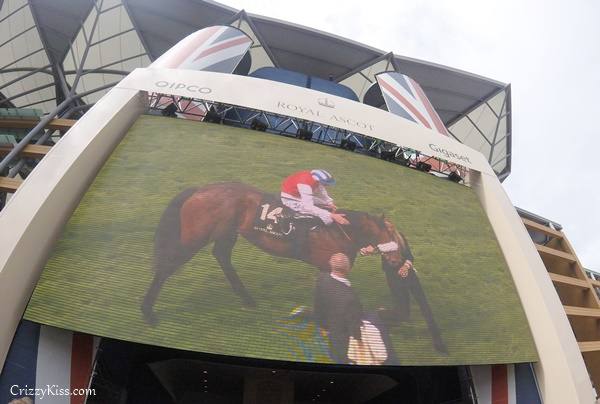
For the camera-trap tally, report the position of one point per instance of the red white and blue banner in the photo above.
(186, 108)
(219, 48)
(505, 384)
(214, 49)
(48, 365)
(404, 97)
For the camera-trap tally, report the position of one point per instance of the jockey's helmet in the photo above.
(323, 177)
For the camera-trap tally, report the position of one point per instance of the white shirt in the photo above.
(340, 279)
(308, 201)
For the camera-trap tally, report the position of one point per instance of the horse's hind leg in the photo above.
(222, 252)
(151, 295)
(168, 259)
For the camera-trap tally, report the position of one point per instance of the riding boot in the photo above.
(301, 242)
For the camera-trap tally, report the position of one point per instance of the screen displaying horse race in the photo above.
(228, 241)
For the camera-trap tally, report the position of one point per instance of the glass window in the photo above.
(21, 53)
(259, 57)
(361, 81)
(115, 46)
(481, 127)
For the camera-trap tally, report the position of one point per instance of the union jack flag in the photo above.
(186, 108)
(505, 384)
(404, 97)
(215, 49)
(44, 357)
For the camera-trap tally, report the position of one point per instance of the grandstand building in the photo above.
(61, 59)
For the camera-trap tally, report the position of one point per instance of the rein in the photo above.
(383, 248)
(343, 231)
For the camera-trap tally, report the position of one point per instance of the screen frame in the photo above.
(38, 211)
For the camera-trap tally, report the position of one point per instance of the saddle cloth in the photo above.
(274, 218)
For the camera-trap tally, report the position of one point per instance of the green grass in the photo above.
(101, 267)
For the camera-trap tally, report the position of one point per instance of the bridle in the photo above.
(391, 246)
(384, 249)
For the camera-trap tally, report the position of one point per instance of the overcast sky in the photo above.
(548, 50)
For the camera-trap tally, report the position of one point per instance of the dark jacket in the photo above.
(337, 310)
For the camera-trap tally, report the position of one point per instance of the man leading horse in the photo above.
(218, 213)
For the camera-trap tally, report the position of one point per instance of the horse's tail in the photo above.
(167, 241)
(169, 254)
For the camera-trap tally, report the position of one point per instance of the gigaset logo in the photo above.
(448, 153)
(178, 86)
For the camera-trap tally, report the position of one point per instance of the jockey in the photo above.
(304, 192)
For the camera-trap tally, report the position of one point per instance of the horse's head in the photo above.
(380, 233)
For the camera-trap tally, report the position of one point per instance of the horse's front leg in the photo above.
(222, 252)
(151, 295)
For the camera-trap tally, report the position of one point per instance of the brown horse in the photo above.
(220, 212)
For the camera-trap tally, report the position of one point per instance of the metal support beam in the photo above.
(43, 123)
(475, 105)
(498, 119)
(85, 52)
(19, 165)
(37, 102)
(478, 130)
(32, 133)
(108, 38)
(44, 69)
(22, 58)
(33, 90)
(98, 70)
(260, 38)
(363, 66)
(14, 12)
(31, 73)
(18, 35)
(137, 30)
(62, 88)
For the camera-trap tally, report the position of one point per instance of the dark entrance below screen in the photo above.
(132, 373)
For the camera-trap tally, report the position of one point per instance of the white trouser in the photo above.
(298, 206)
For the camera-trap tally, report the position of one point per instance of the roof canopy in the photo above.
(124, 34)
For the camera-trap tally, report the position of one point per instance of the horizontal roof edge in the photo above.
(537, 218)
(375, 51)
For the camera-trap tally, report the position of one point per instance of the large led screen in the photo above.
(229, 241)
